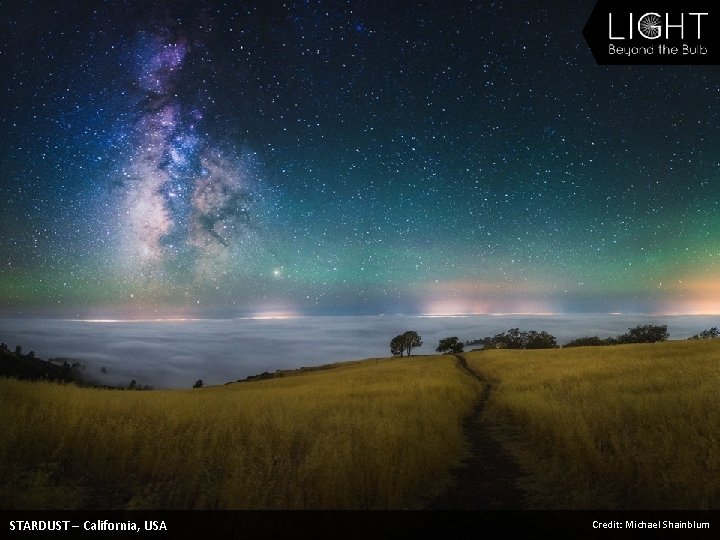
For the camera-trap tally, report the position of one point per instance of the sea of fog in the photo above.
(174, 354)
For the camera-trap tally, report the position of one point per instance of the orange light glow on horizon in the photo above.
(459, 308)
(695, 296)
(476, 297)
(280, 314)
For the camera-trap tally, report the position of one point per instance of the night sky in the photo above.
(261, 158)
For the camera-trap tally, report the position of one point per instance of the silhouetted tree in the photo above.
(649, 333)
(711, 333)
(515, 339)
(397, 346)
(405, 342)
(450, 345)
(198, 384)
(539, 340)
(132, 385)
(412, 339)
(18, 351)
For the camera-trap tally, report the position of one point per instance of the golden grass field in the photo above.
(370, 434)
(621, 427)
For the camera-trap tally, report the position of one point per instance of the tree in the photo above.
(411, 340)
(405, 342)
(450, 345)
(516, 339)
(540, 340)
(711, 333)
(512, 339)
(649, 333)
(397, 346)
(198, 384)
(132, 385)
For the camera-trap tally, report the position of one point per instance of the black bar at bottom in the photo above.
(459, 524)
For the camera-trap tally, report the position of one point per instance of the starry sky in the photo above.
(263, 158)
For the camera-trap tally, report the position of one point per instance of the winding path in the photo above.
(487, 479)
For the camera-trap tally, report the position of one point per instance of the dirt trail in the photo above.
(487, 479)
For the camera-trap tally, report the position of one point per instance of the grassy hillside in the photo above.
(633, 426)
(371, 434)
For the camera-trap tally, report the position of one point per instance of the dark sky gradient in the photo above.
(277, 158)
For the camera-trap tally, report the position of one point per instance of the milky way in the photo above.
(185, 204)
(230, 158)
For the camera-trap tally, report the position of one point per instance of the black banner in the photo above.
(291, 525)
(654, 32)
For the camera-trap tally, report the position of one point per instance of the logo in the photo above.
(654, 32)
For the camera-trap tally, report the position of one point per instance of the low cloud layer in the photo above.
(174, 354)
